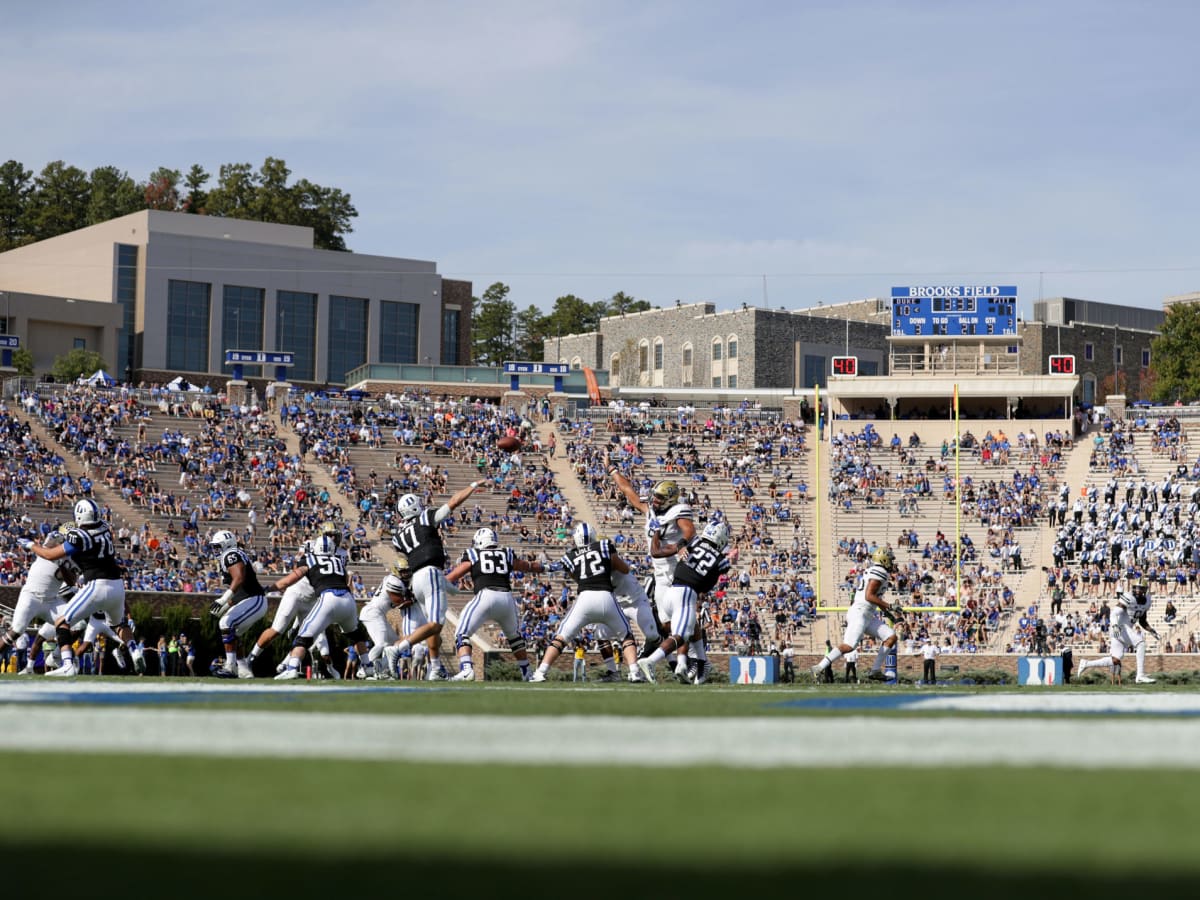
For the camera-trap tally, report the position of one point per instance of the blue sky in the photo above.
(673, 150)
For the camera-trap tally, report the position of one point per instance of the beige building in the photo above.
(168, 293)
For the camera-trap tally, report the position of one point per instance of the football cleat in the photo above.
(118, 654)
(608, 676)
(701, 675)
(693, 667)
(876, 675)
(225, 672)
(66, 670)
(1143, 679)
(436, 673)
(243, 669)
(288, 674)
(538, 677)
(649, 647)
(467, 674)
(647, 671)
(817, 673)
(28, 670)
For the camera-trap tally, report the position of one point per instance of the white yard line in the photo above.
(589, 740)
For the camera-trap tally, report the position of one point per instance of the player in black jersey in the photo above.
(697, 574)
(89, 545)
(591, 564)
(490, 568)
(240, 606)
(325, 568)
(418, 536)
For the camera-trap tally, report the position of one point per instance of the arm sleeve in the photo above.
(442, 514)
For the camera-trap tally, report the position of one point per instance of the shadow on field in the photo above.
(263, 873)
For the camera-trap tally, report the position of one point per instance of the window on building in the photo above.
(398, 338)
(347, 336)
(716, 381)
(242, 322)
(687, 354)
(868, 367)
(731, 381)
(658, 354)
(450, 320)
(1089, 352)
(1145, 358)
(1089, 389)
(1119, 354)
(127, 260)
(614, 370)
(80, 343)
(814, 371)
(731, 348)
(187, 325)
(576, 363)
(718, 349)
(644, 356)
(296, 332)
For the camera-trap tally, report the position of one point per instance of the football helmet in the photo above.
(716, 534)
(664, 495)
(883, 556)
(583, 534)
(86, 512)
(223, 541)
(324, 545)
(1141, 589)
(56, 537)
(330, 529)
(400, 568)
(484, 539)
(409, 506)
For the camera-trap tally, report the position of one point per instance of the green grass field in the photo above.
(273, 827)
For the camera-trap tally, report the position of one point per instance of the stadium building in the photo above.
(161, 294)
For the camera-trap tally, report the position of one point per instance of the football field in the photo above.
(596, 790)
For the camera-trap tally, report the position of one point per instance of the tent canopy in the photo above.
(101, 377)
(182, 384)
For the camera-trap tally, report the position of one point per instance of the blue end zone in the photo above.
(872, 701)
(171, 698)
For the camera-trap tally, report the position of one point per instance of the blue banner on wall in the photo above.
(753, 670)
(1040, 670)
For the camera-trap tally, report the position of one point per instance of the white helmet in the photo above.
(223, 541)
(716, 534)
(484, 539)
(409, 506)
(86, 512)
(584, 534)
(324, 545)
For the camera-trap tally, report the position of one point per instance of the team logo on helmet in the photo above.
(409, 506)
(485, 538)
(716, 534)
(883, 556)
(583, 534)
(86, 512)
(223, 541)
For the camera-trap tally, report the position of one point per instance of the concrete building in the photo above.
(162, 294)
(694, 346)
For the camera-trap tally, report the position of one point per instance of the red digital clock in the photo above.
(845, 365)
(1062, 364)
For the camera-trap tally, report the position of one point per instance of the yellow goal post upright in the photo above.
(819, 497)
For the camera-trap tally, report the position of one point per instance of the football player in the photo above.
(240, 606)
(591, 564)
(89, 545)
(863, 616)
(418, 536)
(326, 569)
(671, 520)
(1128, 610)
(694, 575)
(490, 568)
(394, 593)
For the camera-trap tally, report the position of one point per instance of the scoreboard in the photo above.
(954, 310)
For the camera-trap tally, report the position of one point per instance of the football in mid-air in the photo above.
(509, 443)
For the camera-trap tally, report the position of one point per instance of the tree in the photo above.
(572, 315)
(1173, 357)
(196, 200)
(531, 332)
(58, 203)
(492, 326)
(75, 363)
(22, 360)
(621, 303)
(16, 184)
(111, 194)
(234, 195)
(162, 190)
(327, 211)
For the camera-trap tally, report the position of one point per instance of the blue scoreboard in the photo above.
(954, 310)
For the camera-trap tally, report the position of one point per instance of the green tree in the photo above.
(621, 303)
(531, 332)
(196, 200)
(235, 193)
(111, 194)
(572, 315)
(58, 203)
(16, 185)
(492, 326)
(75, 363)
(1173, 357)
(327, 211)
(22, 361)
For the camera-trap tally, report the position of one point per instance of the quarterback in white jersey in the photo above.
(864, 615)
(1128, 610)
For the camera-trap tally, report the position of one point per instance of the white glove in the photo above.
(25, 543)
(218, 609)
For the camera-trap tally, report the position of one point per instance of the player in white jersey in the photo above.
(1128, 610)
(40, 594)
(864, 615)
(670, 520)
(395, 592)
